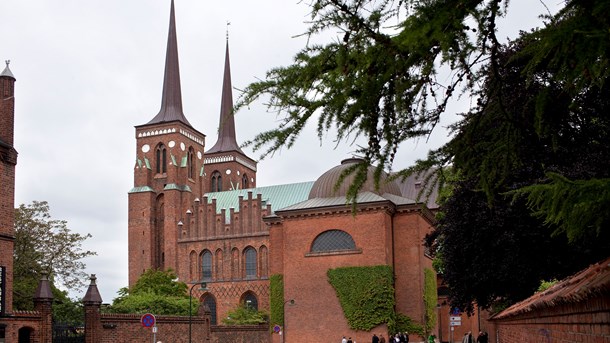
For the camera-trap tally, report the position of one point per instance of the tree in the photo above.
(156, 291)
(45, 246)
(379, 77)
(484, 235)
(537, 129)
(245, 315)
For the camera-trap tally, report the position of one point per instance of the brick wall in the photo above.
(126, 328)
(587, 322)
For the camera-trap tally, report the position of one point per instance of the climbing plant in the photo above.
(366, 295)
(276, 300)
(430, 300)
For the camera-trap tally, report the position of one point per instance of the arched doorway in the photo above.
(25, 334)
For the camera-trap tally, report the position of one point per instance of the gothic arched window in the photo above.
(161, 159)
(250, 257)
(216, 182)
(210, 302)
(206, 265)
(244, 182)
(250, 301)
(333, 240)
(191, 163)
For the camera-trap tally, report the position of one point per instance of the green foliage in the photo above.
(150, 302)
(157, 292)
(276, 299)
(544, 285)
(529, 135)
(245, 315)
(160, 282)
(430, 300)
(539, 106)
(66, 310)
(575, 207)
(366, 295)
(45, 246)
(406, 324)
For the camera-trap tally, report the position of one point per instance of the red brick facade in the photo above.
(8, 160)
(384, 235)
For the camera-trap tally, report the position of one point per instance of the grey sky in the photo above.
(89, 71)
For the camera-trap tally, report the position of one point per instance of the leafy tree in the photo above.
(245, 315)
(65, 309)
(486, 237)
(158, 292)
(537, 129)
(379, 78)
(45, 246)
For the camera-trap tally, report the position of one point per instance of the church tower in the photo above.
(168, 175)
(226, 165)
(8, 160)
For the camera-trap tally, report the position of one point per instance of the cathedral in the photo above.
(200, 212)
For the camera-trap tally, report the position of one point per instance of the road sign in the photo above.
(148, 320)
(455, 319)
(277, 329)
(455, 323)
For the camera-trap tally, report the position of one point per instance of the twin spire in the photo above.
(171, 102)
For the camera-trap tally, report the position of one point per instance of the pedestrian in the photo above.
(467, 337)
(344, 340)
(375, 339)
(349, 340)
(482, 338)
(381, 338)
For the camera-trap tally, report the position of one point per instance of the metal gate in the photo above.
(68, 333)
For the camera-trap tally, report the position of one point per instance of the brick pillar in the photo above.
(43, 299)
(92, 303)
(8, 160)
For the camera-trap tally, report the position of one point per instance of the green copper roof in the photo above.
(279, 196)
(141, 189)
(184, 188)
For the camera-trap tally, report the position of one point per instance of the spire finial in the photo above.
(9, 61)
(228, 23)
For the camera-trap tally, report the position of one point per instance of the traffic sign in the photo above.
(455, 323)
(455, 319)
(148, 320)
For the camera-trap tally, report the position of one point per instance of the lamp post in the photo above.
(291, 302)
(203, 287)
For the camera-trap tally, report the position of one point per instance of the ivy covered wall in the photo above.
(276, 301)
(366, 295)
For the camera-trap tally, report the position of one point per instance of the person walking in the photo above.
(375, 339)
(482, 338)
(381, 338)
(467, 337)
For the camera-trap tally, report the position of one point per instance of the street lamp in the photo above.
(290, 302)
(203, 288)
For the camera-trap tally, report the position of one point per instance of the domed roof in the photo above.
(324, 187)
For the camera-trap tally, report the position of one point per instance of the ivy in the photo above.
(366, 295)
(406, 324)
(276, 300)
(430, 299)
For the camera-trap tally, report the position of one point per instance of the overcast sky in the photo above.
(89, 71)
